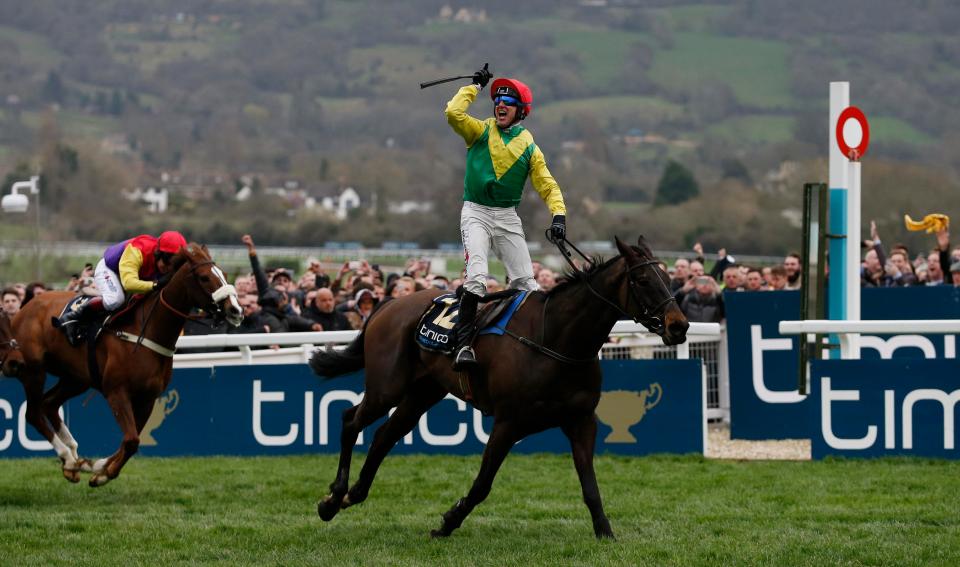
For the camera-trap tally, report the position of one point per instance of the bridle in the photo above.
(218, 295)
(651, 318)
(11, 345)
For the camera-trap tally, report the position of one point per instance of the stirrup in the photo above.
(465, 358)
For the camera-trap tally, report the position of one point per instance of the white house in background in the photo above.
(156, 199)
(342, 204)
(407, 207)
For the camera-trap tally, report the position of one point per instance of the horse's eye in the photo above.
(205, 279)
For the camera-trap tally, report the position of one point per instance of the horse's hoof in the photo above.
(327, 508)
(438, 533)
(98, 479)
(86, 465)
(345, 503)
(73, 475)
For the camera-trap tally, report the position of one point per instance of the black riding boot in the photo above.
(464, 332)
(70, 321)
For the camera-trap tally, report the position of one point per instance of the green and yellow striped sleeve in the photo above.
(469, 128)
(545, 184)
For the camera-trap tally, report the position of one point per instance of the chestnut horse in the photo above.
(133, 371)
(544, 374)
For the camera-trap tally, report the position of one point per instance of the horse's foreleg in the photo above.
(388, 434)
(501, 441)
(109, 468)
(52, 401)
(582, 433)
(354, 420)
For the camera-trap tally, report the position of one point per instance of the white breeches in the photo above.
(498, 229)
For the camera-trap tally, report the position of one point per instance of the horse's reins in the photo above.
(648, 317)
(218, 295)
(652, 322)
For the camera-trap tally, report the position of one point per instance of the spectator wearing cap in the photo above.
(955, 273)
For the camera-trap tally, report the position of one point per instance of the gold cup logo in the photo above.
(162, 407)
(622, 409)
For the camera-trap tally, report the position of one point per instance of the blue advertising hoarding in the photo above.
(764, 400)
(649, 406)
(873, 408)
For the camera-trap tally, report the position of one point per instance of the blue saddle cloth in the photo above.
(435, 331)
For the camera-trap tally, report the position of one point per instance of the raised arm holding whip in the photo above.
(501, 154)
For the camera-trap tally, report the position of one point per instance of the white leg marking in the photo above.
(99, 465)
(64, 434)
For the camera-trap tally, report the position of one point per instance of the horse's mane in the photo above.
(572, 277)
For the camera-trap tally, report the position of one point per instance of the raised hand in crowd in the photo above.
(248, 241)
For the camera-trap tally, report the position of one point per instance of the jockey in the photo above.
(131, 266)
(501, 154)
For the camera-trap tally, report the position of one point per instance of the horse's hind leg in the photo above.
(501, 441)
(425, 396)
(582, 432)
(52, 401)
(354, 420)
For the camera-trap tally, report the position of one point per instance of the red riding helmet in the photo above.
(171, 242)
(514, 88)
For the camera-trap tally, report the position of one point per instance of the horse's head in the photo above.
(206, 284)
(11, 359)
(648, 297)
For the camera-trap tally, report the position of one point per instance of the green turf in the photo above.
(665, 511)
(756, 70)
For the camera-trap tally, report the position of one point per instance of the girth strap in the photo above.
(152, 345)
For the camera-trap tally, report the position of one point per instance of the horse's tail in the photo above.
(331, 363)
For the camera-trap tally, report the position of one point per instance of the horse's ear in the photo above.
(623, 248)
(640, 242)
(205, 249)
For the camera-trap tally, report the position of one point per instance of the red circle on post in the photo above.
(856, 152)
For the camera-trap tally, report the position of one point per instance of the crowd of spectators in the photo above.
(274, 300)
(700, 294)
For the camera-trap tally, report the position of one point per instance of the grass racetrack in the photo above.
(664, 511)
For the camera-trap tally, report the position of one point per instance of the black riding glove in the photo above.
(163, 280)
(558, 228)
(483, 76)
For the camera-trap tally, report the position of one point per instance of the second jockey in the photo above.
(128, 267)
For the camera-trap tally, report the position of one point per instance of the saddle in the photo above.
(435, 331)
(89, 328)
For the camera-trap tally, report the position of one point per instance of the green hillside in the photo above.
(105, 95)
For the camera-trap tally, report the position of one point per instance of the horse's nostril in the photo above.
(678, 327)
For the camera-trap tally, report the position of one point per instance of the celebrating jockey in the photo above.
(501, 154)
(131, 266)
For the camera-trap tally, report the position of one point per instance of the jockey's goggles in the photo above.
(507, 100)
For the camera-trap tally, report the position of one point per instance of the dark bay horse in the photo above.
(551, 379)
(131, 375)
